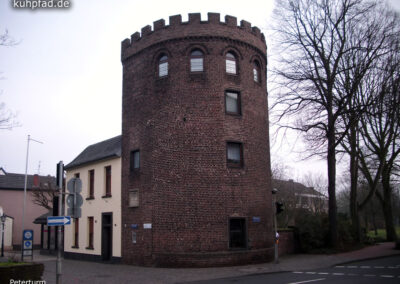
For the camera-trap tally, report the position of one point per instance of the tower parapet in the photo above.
(194, 27)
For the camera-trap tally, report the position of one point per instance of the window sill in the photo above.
(107, 196)
(75, 247)
(90, 248)
(234, 165)
(90, 198)
(233, 114)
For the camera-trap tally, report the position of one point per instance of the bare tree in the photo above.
(359, 81)
(7, 117)
(44, 194)
(315, 37)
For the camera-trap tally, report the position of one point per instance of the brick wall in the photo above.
(286, 242)
(186, 190)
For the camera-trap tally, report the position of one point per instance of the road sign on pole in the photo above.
(58, 220)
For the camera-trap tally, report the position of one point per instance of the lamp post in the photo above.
(276, 252)
(3, 220)
(26, 181)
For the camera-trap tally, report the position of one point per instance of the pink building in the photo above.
(12, 200)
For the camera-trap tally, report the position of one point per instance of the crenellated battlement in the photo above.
(193, 27)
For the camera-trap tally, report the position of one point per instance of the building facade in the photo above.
(196, 187)
(96, 235)
(12, 201)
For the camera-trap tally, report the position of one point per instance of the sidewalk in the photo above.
(86, 272)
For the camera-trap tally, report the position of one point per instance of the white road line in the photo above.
(298, 272)
(351, 266)
(387, 276)
(379, 267)
(365, 266)
(323, 273)
(311, 272)
(307, 281)
(339, 266)
(337, 273)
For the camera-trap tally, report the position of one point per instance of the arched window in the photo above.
(230, 63)
(256, 71)
(163, 66)
(196, 61)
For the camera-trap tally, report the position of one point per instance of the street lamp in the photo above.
(3, 220)
(26, 181)
(276, 252)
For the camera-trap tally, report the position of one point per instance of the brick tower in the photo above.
(196, 188)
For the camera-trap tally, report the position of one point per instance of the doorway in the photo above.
(106, 236)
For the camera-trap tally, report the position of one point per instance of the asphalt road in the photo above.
(383, 270)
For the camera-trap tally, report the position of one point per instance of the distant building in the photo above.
(97, 234)
(8, 230)
(295, 195)
(12, 200)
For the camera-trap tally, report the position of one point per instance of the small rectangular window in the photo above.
(230, 66)
(135, 160)
(196, 64)
(77, 175)
(232, 102)
(163, 69)
(90, 232)
(91, 184)
(108, 180)
(134, 198)
(76, 232)
(255, 75)
(237, 233)
(234, 154)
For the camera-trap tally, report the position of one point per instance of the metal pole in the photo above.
(23, 208)
(59, 228)
(276, 258)
(2, 236)
(276, 251)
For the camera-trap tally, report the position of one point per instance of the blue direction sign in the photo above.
(58, 220)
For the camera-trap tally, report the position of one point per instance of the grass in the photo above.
(5, 264)
(381, 236)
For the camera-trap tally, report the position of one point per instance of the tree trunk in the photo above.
(355, 220)
(387, 207)
(331, 159)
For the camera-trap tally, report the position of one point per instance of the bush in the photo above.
(311, 230)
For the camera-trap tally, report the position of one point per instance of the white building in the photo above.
(97, 234)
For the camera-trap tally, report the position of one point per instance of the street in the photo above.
(383, 270)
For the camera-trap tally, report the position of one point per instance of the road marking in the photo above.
(387, 276)
(337, 273)
(323, 273)
(311, 272)
(339, 266)
(379, 267)
(365, 266)
(351, 266)
(307, 281)
(299, 272)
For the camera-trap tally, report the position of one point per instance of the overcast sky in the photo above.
(64, 78)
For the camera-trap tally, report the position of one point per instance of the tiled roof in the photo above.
(17, 181)
(295, 187)
(96, 152)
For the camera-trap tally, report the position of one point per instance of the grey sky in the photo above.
(65, 77)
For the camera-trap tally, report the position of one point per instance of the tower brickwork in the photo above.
(196, 188)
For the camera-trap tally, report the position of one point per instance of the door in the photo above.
(106, 236)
